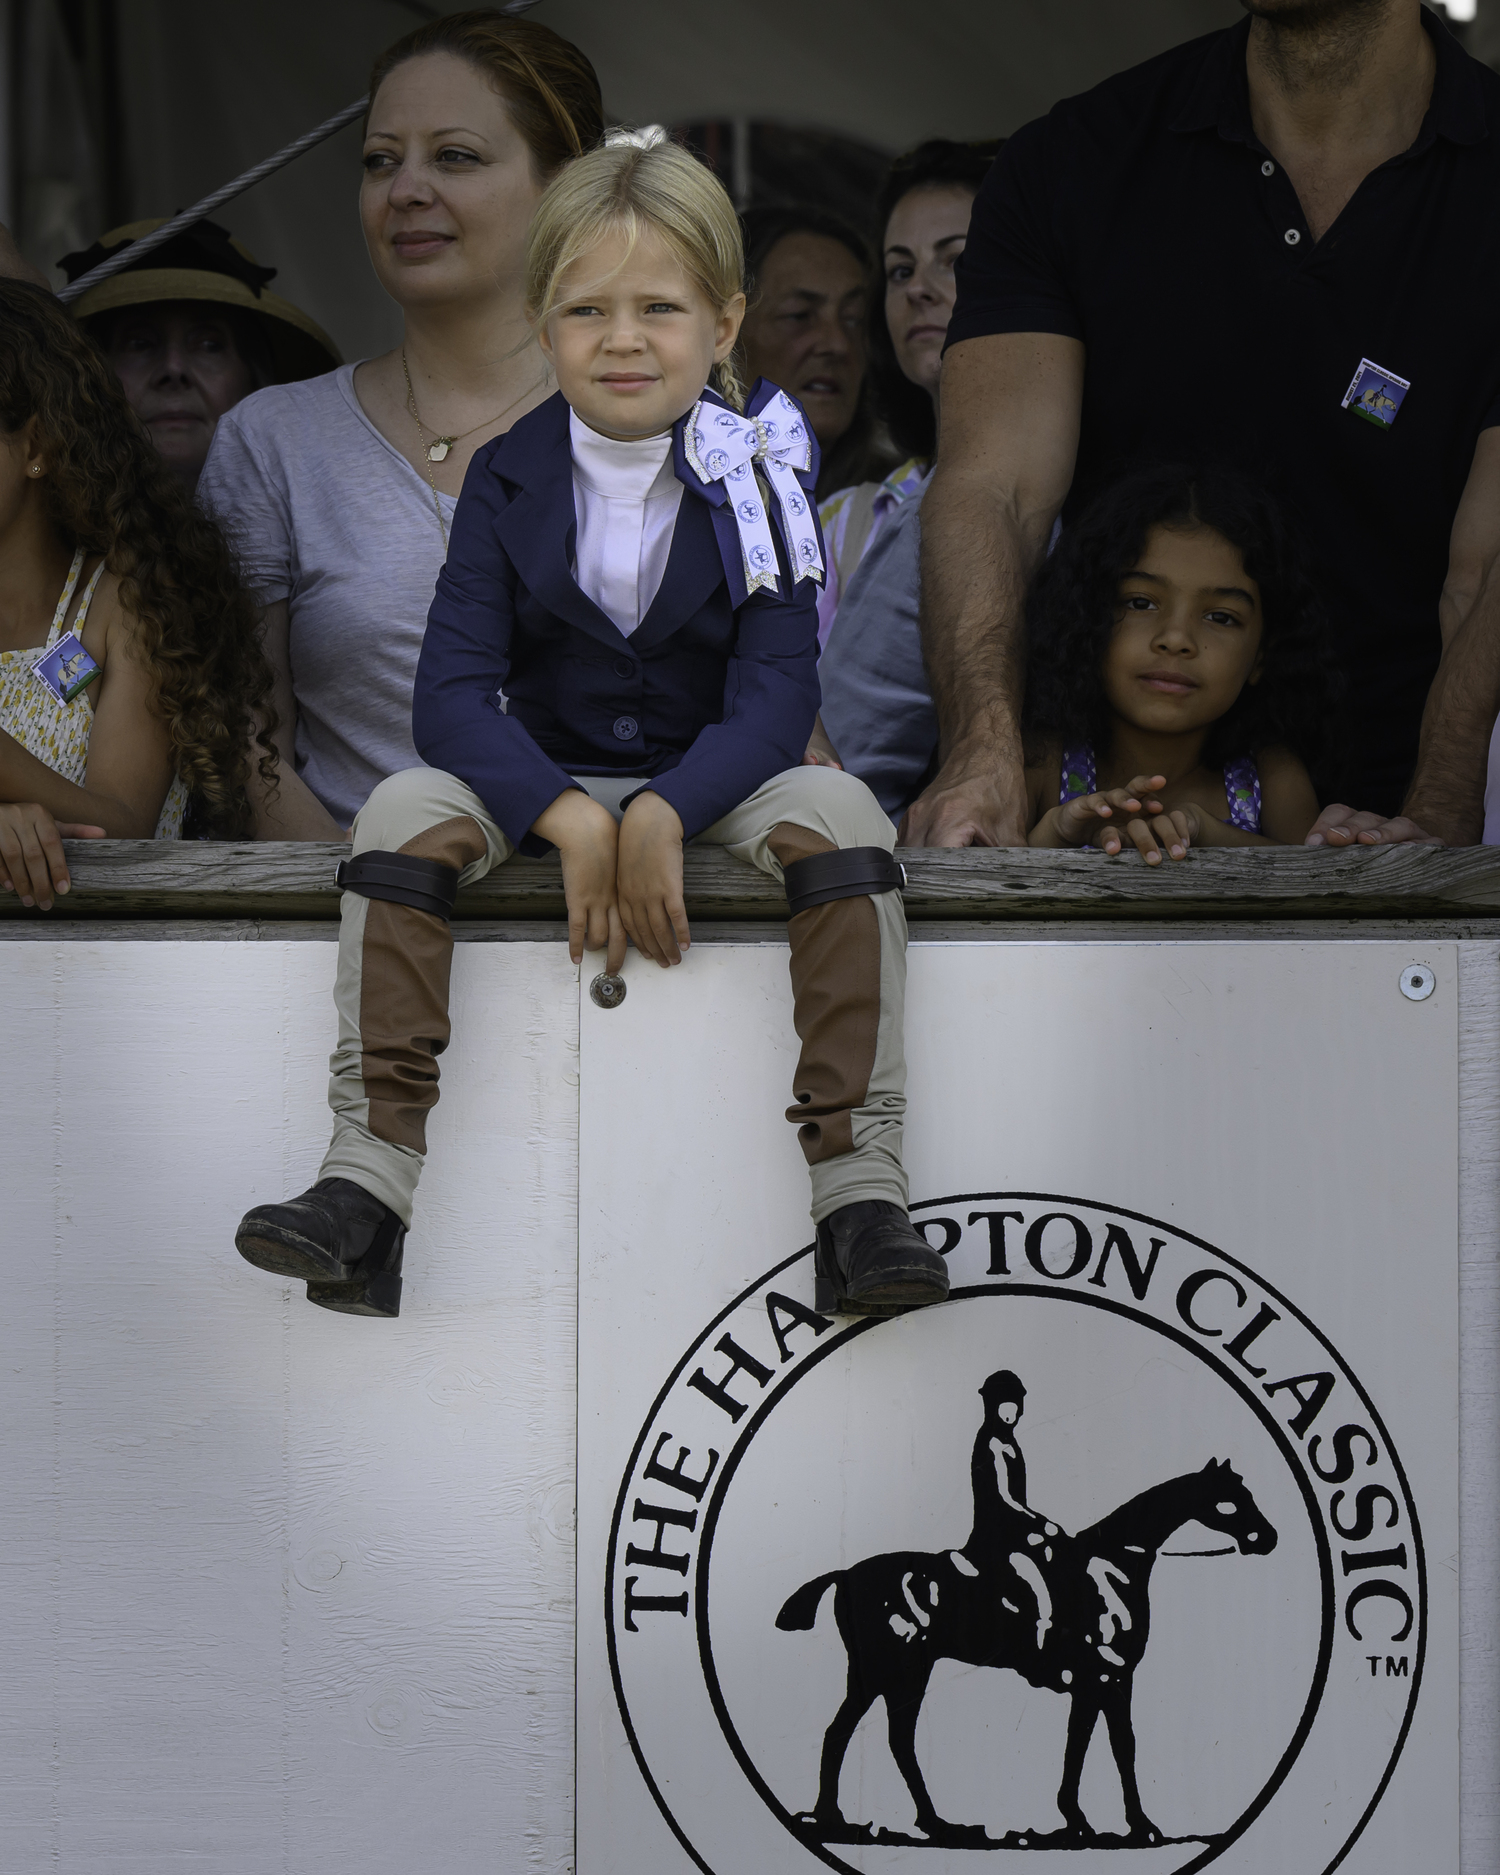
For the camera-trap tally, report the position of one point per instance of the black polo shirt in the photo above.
(1146, 219)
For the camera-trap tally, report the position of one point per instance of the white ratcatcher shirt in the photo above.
(626, 496)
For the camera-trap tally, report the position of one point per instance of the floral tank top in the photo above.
(57, 733)
(1241, 785)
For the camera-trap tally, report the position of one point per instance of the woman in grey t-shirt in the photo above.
(338, 492)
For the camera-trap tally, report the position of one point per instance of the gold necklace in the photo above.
(438, 450)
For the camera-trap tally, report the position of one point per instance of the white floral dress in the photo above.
(57, 733)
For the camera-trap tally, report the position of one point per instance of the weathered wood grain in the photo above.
(147, 879)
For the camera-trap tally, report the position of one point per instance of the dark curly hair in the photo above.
(108, 493)
(1071, 609)
(937, 164)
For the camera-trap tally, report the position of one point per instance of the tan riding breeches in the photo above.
(848, 967)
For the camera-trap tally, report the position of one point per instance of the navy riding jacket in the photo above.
(711, 695)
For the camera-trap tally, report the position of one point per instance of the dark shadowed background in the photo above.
(111, 110)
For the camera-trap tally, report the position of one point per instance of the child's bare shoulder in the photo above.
(1043, 769)
(1280, 766)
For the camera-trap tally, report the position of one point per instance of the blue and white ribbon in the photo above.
(721, 445)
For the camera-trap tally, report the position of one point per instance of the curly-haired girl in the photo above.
(1178, 684)
(136, 694)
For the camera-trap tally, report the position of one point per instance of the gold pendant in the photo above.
(438, 451)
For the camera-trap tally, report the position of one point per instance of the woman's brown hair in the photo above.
(550, 87)
(108, 493)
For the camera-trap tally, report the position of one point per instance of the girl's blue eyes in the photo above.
(658, 306)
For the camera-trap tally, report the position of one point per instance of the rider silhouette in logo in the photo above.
(1071, 1614)
(1009, 1538)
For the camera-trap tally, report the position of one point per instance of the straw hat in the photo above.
(205, 262)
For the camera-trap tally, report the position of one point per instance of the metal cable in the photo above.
(132, 251)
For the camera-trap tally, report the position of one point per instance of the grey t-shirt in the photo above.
(325, 514)
(877, 706)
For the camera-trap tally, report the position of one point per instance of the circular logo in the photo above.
(807, 550)
(1111, 1552)
(796, 504)
(748, 511)
(717, 461)
(760, 557)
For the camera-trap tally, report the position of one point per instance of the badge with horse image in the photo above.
(1375, 394)
(1112, 1554)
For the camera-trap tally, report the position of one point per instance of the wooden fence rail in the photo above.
(148, 879)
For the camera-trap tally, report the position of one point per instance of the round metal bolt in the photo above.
(607, 991)
(1417, 982)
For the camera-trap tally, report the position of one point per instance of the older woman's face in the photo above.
(923, 238)
(449, 188)
(805, 331)
(180, 369)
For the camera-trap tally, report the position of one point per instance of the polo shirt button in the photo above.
(1293, 236)
(627, 728)
(1268, 168)
(624, 668)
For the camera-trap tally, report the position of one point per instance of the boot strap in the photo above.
(852, 872)
(401, 878)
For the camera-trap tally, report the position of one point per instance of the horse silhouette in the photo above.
(899, 1614)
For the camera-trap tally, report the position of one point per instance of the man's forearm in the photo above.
(976, 560)
(1447, 792)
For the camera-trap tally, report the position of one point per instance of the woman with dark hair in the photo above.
(804, 331)
(340, 491)
(1178, 680)
(923, 214)
(137, 695)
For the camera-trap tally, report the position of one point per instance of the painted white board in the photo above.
(284, 1590)
(1233, 1105)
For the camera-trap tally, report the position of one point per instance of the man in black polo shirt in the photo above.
(1201, 260)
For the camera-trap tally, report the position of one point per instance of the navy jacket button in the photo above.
(624, 668)
(627, 728)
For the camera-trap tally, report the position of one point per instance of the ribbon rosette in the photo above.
(722, 445)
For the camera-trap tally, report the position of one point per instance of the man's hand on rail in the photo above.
(31, 855)
(1339, 826)
(977, 798)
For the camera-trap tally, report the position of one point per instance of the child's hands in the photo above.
(1132, 815)
(31, 855)
(650, 880)
(586, 836)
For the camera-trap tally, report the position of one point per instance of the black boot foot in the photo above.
(870, 1260)
(337, 1237)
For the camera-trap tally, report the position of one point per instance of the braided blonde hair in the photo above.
(639, 179)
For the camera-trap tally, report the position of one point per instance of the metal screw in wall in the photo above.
(607, 991)
(1417, 982)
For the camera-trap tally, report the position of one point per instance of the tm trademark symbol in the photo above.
(1396, 1666)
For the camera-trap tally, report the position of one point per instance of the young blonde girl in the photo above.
(621, 657)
